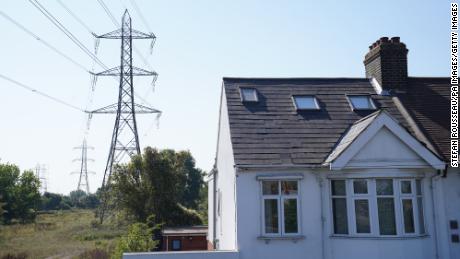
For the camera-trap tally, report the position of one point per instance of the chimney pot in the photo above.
(384, 39)
(395, 39)
(375, 44)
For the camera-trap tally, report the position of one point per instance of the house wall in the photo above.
(417, 247)
(315, 201)
(225, 185)
(183, 255)
(250, 220)
(447, 190)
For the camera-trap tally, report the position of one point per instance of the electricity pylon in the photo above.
(83, 178)
(125, 139)
(40, 173)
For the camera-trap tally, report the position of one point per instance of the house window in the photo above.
(176, 245)
(280, 207)
(305, 102)
(361, 102)
(248, 95)
(377, 207)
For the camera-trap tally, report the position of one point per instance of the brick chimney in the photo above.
(386, 61)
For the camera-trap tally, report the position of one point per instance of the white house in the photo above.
(334, 167)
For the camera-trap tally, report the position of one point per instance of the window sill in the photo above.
(293, 238)
(379, 237)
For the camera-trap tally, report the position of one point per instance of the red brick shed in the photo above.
(185, 238)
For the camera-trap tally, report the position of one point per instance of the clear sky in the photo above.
(199, 42)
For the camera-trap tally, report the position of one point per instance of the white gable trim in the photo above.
(385, 120)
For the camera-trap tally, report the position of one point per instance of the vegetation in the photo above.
(164, 183)
(61, 234)
(19, 194)
(155, 189)
(138, 239)
(76, 199)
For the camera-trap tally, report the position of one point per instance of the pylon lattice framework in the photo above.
(125, 139)
(83, 181)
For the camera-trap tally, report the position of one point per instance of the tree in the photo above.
(27, 197)
(9, 175)
(51, 201)
(20, 192)
(76, 198)
(155, 183)
(193, 180)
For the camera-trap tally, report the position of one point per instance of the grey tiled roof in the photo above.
(428, 102)
(272, 132)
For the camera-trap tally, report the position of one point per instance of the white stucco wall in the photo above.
(418, 247)
(225, 179)
(447, 190)
(250, 222)
(184, 255)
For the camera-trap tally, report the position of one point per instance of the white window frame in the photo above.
(315, 100)
(373, 207)
(353, 108)
(280, 201)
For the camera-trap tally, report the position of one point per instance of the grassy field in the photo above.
(63, 234)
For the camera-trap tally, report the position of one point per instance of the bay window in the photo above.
(280, 207)
(377, 207)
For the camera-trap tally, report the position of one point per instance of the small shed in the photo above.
(184, 238)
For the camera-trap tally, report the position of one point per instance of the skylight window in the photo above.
(305, 102)
(361, 102)
(248, 95)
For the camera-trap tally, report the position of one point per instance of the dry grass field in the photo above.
(62, 234)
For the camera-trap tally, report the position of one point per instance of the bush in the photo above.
(138, 239)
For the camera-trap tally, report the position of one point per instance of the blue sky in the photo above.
(199, 42)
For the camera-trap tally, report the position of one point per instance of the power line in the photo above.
(20, 26)
(61, 27)
(75, 16)
(107, 11)
(138, 10)
(41, 93)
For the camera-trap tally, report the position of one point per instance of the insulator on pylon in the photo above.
(96, 45)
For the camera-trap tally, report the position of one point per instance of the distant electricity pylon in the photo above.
(83, 181)
(125, 139)
(40, 173)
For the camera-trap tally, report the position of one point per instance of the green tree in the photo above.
(76, 198)
(20, 192)
(9, 175)
(154, 183)
(51, 201)
(193, 183)
(27, 197)
(138, 239)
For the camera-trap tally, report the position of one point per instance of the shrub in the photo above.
(138, 239)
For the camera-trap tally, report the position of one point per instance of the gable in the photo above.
(379, 141)
(386, 149)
